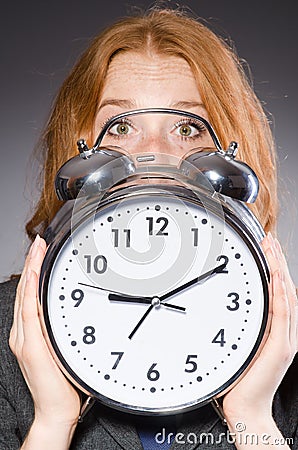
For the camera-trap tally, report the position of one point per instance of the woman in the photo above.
(161, 59)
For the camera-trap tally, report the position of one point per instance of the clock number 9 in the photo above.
(234, 300)
(89, 337)
(153, 374)
(99, 263)
(77, 295)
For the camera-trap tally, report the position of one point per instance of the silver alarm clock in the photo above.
(154, 288)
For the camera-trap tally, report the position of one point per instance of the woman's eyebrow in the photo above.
(187, 105)
(121, 103)
(131, 104)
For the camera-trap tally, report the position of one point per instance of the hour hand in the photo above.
(118, 297)
(128, 298)
(154, 301)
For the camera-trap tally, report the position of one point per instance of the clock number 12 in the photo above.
(161, 231)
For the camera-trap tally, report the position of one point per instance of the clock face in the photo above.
(155, 303)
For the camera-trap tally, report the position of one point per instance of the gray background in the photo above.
(41, 40)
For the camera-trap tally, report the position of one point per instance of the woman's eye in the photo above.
(189, 130)
(185, 130)
(120, 129)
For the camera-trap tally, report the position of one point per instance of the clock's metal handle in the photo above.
(219, 410)
(85, 408)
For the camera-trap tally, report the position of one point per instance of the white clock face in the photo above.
(118, 328)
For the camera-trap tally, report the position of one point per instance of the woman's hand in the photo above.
(250, 401)
(56, 402)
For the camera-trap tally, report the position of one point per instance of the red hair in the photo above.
(235, 111)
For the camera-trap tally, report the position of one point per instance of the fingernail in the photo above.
(270, 252)
(28, 275)
(277, 246)
(281, 275)
(267, 242)
(35, 245)
(271, 240)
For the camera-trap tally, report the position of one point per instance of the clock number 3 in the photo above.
(235, 301)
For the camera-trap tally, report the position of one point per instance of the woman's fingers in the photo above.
(31, 261)
(284, 299)
(291, 294)
(26, 297)
(55, 400)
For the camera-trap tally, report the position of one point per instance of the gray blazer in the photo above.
(104, 429)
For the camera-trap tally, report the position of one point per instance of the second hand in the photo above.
(154, 302)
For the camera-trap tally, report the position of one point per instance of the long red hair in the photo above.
(232, 106)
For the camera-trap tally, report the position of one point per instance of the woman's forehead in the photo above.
(151, 65)
(137, 80)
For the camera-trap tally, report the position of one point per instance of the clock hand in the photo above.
(147, 300)
(113, 297)
(119, 297)
(154, 302)
(101, 289)
(196, 280)
(169, 305)
(141, 321)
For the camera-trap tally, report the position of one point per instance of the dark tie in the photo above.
(156, 438)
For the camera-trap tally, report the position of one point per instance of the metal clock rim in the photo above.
(253, 246)
(158, 111)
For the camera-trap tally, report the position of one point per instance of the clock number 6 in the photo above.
(153, 374)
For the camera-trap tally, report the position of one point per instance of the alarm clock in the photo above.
(154, 287)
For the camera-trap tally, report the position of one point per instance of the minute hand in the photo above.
(196, 280)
